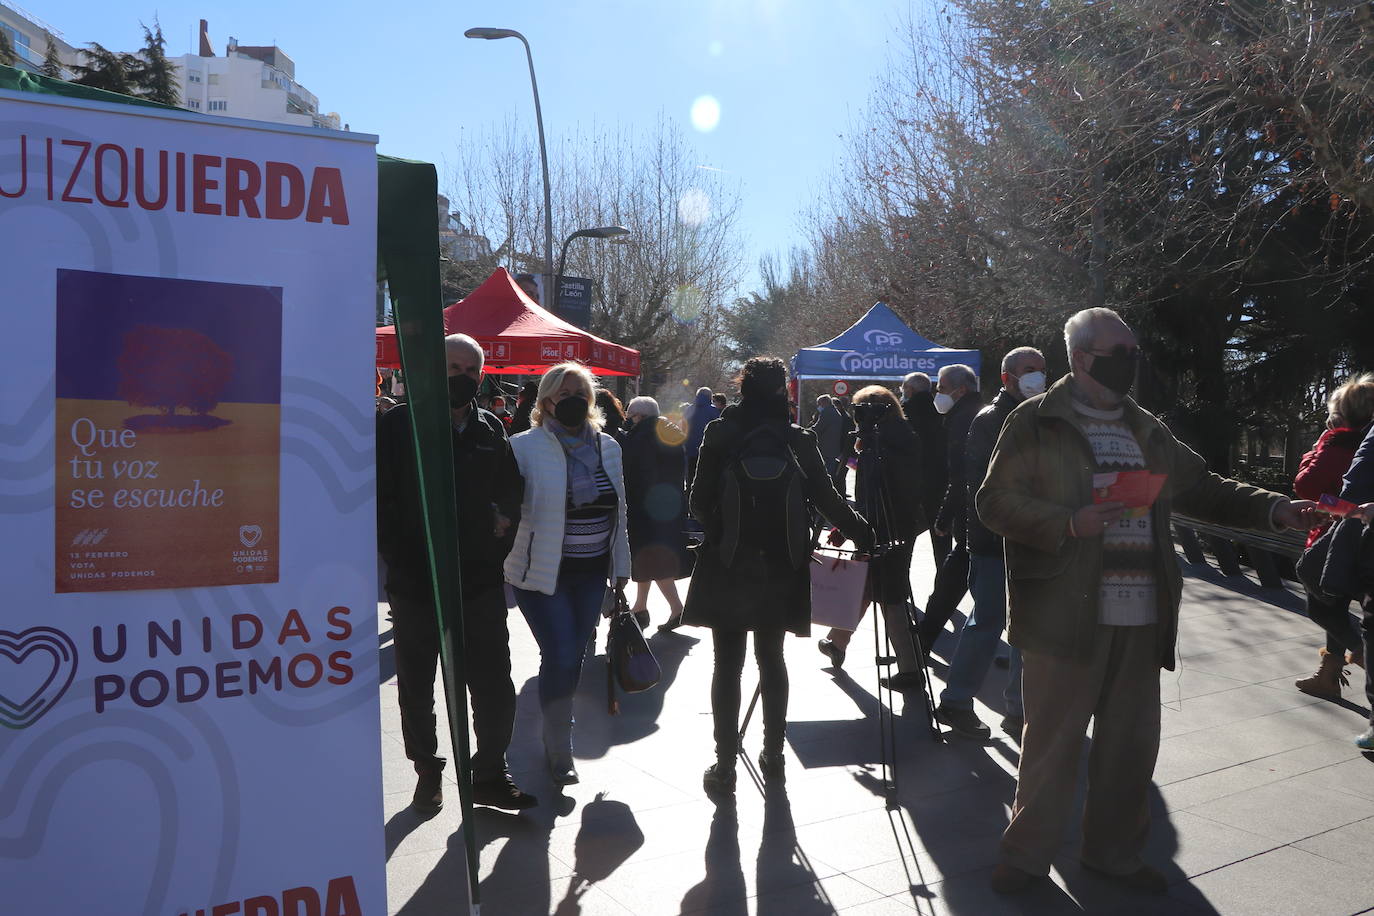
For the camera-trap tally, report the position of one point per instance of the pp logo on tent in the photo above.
(37, 666)
(882, 339)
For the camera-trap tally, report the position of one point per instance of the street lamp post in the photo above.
(490, 35)
(601, 232)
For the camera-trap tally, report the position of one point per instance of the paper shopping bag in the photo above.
(837, 590)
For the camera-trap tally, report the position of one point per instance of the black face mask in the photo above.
(571, 412)
(461, 390)
(1116, 372)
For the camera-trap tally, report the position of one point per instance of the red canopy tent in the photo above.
(517, 336)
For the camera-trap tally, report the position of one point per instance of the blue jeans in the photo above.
(562, 623)
(978, 640)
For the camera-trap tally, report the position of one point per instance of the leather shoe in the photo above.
(963, 722)
(902, 681)
(563, 772)
(1008, 879)
(1146, 879)
(502, 792)
(832, 652)
(429, 792)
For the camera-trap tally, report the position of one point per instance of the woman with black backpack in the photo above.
(757, 478)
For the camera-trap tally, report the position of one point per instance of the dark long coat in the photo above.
(654, 501)
(757, 592)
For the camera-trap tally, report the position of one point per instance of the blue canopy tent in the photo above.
(879, 347)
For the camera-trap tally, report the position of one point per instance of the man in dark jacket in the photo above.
(830, 429)
(957, 398)
(1023, 376)
(918, 403)
(1095, 588)
(489, 490)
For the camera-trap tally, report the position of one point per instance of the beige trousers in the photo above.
(1118, 688)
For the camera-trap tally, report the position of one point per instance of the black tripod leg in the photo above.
(887, 731)
(914, 634)
(749, 713)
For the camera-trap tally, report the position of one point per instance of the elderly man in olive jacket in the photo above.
(1094, 589)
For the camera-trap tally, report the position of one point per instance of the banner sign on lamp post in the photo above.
(188, 645)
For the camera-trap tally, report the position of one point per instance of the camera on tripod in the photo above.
(868, 414)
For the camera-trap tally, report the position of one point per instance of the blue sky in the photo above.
(789, 75)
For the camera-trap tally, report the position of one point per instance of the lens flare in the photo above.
(705, 113)
(694, 207)
(685, 303)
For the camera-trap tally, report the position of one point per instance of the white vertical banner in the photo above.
(188, 645)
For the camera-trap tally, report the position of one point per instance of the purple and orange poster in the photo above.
(168, 432)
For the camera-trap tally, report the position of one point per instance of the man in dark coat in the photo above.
(762, 587)
(956, 397)
(1023, 376)
(489, 490)
(830, 433)
(918, 403)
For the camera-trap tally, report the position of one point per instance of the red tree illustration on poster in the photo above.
(168, 368)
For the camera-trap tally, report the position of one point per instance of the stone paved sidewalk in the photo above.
(1262, 803)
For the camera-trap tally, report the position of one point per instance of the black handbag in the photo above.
(1329, 568)
(630, 662)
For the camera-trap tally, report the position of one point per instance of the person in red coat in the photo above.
(1349, 412)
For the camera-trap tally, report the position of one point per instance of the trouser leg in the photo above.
(951, 581)
(415, 640)
(898, 625)
(1012, 694)
(1060, 695)
(486, 666)
(940, 544)
(562, 623)
(774, 686)
(1334, 618)
(1367, 627)
(981, 633)
(1125, 744)
(729, 648)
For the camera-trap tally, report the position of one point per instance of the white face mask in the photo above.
(1031, 384)
(943, 403)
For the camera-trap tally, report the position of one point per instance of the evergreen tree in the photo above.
(52, 64)
(152, 74)
(7, 55)
(106, 69)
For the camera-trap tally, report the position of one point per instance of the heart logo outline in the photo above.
(250, 535)
(18, 646)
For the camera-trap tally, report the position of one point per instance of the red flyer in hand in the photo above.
(1334, 505)
(1135, 490)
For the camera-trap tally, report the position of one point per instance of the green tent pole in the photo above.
(408, 240)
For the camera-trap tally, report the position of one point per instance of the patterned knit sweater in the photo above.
(1128, 555)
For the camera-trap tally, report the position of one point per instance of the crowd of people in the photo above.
(1032, 502)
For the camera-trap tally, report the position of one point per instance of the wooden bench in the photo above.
(1266, 550)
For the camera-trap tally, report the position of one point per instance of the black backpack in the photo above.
(763, 505)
